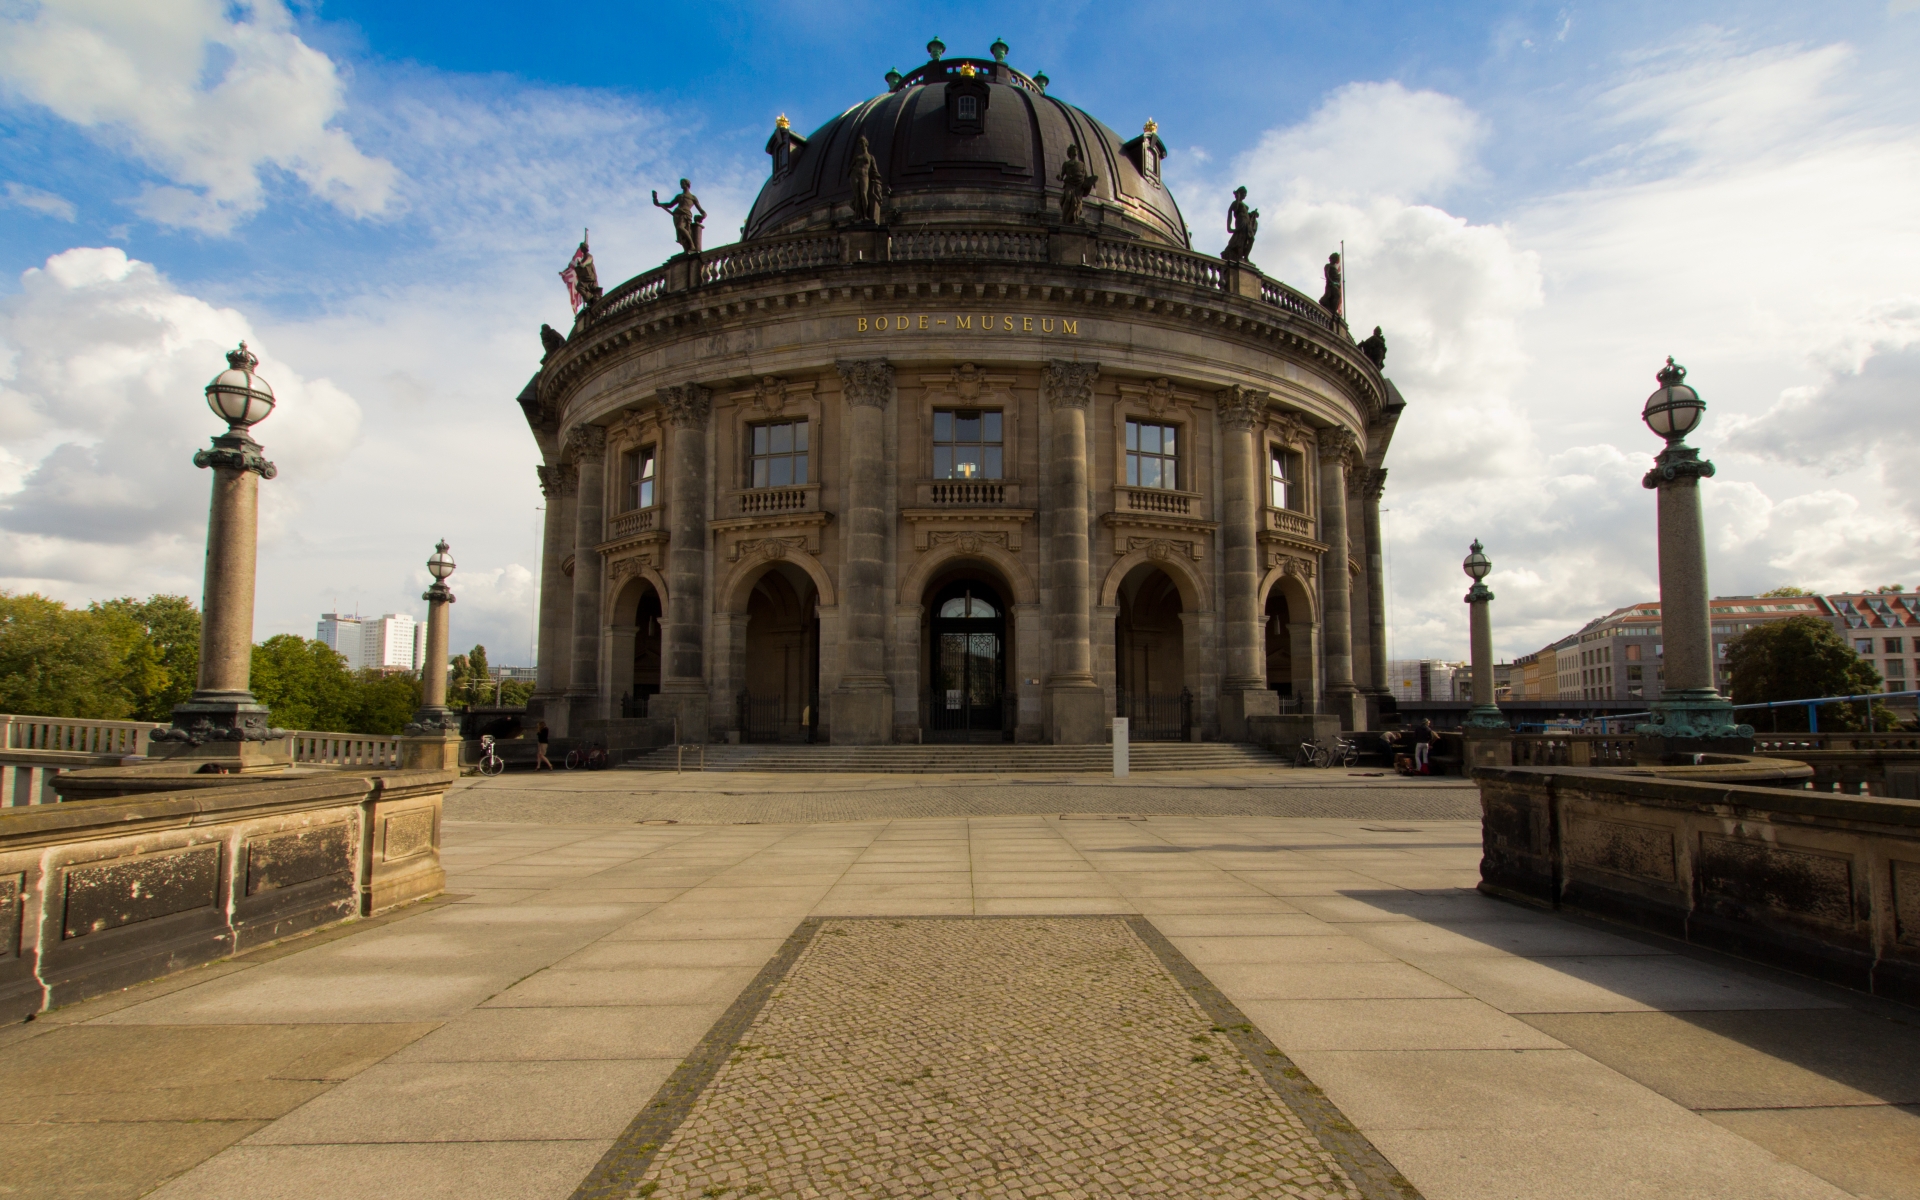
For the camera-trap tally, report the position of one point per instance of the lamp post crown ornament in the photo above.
(242, 399)
(439, 566)
(1477, 566)
(1673, 411)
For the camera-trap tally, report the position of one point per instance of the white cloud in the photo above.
(1366, 141)
(43, 202)
(208, 94)
(101, 410)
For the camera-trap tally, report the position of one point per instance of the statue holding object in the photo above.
(689, 217)
(869, 190)
(1242, 224)
(1330, 299)
(1076, 184)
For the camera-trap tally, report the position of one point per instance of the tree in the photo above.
(1788, 590)
(305, 683)
(1801, 658)
(384, 701)
(58, 662)
(1887, 589)
(163, 668)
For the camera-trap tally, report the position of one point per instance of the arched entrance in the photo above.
(1149, 647)
(968, 700)
(781, 700)
(646, 654)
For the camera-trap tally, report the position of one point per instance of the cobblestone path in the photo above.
(1015, 1057)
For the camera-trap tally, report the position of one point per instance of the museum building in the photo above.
(963, 440)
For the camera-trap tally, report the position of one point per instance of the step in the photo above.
(964, 759)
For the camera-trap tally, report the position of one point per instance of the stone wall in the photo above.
(101, 894)
(1823, 884)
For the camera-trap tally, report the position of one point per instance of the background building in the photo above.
(390, 642)
(1428, 679)
(1881, 627)
(1618, 656)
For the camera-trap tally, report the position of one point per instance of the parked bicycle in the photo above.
(1310, 755)
(1343, 754)
(592, 758)
(490, 763)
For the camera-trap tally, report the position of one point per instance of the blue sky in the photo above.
(1540, 202)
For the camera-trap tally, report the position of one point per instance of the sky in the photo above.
(1540, 202)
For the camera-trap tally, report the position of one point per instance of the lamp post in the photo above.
(223, 717)
(1484, 714)
(433, 737)
(1691, 715)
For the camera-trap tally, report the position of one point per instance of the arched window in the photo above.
(967, 607)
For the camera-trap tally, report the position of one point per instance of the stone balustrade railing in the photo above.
(1572, 750)
(961, 245)
(74, 735)
(1296, 524)
(967, 493)
(770, 501)
(1158, 501)
(346, 749)
(636, 521)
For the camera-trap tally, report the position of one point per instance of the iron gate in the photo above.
(1152, 718)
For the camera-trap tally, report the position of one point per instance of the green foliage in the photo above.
(385, 702)
(1798, 659)
(164, 666)
(514, 693)
(1788, 590)
(59, 662)
(1887, 589)
(470, 682)
(308, 686)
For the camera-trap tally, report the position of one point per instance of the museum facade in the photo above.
(963, 441)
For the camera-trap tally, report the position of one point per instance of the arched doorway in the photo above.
(1150, 671)
(781, 700)
(967, 663)
(646, 654)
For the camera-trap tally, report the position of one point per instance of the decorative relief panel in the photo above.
(767, 547)
(1806, 883)
(408, 833)
(288, 859)
(1906, 902)
(1639, 851)
(125, 891)
(970, 531)
(10, 887)
(1161, 549)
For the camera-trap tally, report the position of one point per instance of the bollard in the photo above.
(1120, 748)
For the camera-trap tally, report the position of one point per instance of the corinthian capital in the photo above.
(560, 479)
(1070, 384)
(687, 405)
(1373, 482)
(866, 382)
(1240, 408)
(586, 442)
(1337, 444)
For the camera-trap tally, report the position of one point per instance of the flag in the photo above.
(572, 275)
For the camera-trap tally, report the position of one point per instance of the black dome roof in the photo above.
(1000, 168)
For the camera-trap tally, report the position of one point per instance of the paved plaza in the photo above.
(1274, 983)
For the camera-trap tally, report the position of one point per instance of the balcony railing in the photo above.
(968, 493)
(74, 735)
(1158, 501)
(627, 524)
(759, 258)
(775, 501)
(961, 245)
(1285, 520)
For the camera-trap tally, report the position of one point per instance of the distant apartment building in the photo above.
(1619, 656)
(390, 642)
(1428, 679)
(520, 674)
(1882, 628)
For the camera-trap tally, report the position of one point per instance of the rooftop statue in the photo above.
(1330, 299)
(582, 280)
(1242, 224)
(1076, 183)
(869, 190)
(689, 217)
(1375, 348)
(551, 339)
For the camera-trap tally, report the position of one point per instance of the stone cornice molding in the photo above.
(1373, 483)
(1337, 444)
(560, 479)
(1241, 408)
(865, 382)
(631, 428)
(687, 405)
(586, 442)
(1069, 384)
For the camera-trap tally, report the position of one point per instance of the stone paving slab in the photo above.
(986, 1058)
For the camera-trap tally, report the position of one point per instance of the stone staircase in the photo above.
(1002, 758)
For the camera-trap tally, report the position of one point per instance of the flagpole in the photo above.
(1343, 279)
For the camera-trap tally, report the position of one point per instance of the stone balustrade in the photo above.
(969, 493)
(1157, 501)
(74, 735)
(346, 749)
(634, 522)
(100, 894)
(773, 501)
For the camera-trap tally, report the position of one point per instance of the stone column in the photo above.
(1337, 446)
(683, 667)
(223, 719)
(1375, 486)
(1488, 738)
(587, 449)
(558, 484)
(863, 704)
(1079, 707)
(432, 740)
(1243, 684)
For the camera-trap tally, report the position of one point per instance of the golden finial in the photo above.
(967, 70)
(781, 122)
(1152, 126)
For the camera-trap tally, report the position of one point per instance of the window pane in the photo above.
(943, 427)
(759, 439)
(1150, 439)
(1133, 435)
(992, 468)
(966, 462)
(800, 435)
(980, 609)
(646, 494)
(943, 462)
(1166, 439)
(646, 465)
(782, 438)
(1133, 470)
(760, 472)
(966, 427)
(799, 468)
(1169, 473)
(780, 472)
(1149, 472)
(956, 607)
(991, 426)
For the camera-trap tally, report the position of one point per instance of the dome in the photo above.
(967, 142)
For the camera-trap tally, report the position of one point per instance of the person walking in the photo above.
(540, 736)
(1422, 739)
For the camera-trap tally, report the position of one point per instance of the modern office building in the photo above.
(390, 642)
(1428, 679)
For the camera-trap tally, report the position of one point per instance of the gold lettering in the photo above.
(940, 321)
(986, 323)
(1046, 324)
(1006, 322)
(1072, 327)
(863, 324)
(1026, 324)
(963, 322)
(899, 322)
(923, 322)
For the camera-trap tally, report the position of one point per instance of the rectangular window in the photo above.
(1896, 668)
(967, 444)
(780, 454)
(1633, 653)
(1892, 646)
(1151, 458)
(639, 471)
(1633, 674)
(1863, 645)
(1283, 474)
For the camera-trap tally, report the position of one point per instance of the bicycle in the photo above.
(491, 764)
(593, 758)
(1310, 755)
(1343, 754)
